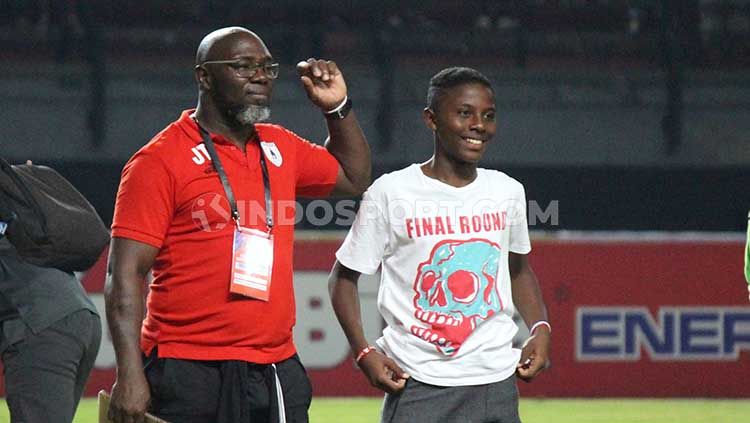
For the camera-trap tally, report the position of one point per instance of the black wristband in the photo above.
(340, 113)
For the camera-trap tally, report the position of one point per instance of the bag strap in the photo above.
(8, 169)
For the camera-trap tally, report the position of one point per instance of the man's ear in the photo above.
(202, 77)
(429, 118)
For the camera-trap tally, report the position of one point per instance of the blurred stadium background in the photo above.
(628, 121)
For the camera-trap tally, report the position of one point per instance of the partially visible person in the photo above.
(451, 242)
(747, 257)
(50, 333)
(206, 205)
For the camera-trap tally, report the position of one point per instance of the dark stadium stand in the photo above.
(620, 98)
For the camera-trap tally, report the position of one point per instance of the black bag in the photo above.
(50, 223)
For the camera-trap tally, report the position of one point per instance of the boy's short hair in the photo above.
(452, 77)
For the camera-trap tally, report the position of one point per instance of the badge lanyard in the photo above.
(252, 250)
(228, 188)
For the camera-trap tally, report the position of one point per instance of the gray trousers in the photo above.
(419, 402)
(46, 372)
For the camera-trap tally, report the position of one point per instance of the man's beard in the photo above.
(252, 114)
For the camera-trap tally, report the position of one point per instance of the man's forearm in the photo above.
(125, 310)
(349, 146)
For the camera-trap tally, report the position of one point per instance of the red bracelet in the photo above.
(366, 350)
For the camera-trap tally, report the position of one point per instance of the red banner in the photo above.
(642, 318)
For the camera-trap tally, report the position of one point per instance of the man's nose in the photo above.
(260, 77)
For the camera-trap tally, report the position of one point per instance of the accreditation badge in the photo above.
(252, 261)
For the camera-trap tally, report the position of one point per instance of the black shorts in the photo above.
(189, 391)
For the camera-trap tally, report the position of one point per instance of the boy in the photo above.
(451, 240)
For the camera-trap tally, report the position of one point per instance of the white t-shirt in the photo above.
(445, 286)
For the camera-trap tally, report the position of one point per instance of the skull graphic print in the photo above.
(455, 291)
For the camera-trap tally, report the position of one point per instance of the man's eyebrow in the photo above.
(263, 59)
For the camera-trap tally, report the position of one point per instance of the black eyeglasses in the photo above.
(245, 69)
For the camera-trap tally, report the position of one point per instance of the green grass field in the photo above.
(366, 410)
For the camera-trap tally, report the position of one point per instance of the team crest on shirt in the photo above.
(455, 291)
(272, 153)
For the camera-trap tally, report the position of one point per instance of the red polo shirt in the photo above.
(171, 197)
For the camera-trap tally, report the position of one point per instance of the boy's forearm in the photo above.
(345, 301)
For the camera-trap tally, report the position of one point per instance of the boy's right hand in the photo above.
(383, 373)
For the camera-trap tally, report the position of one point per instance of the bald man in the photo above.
(205, 206)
